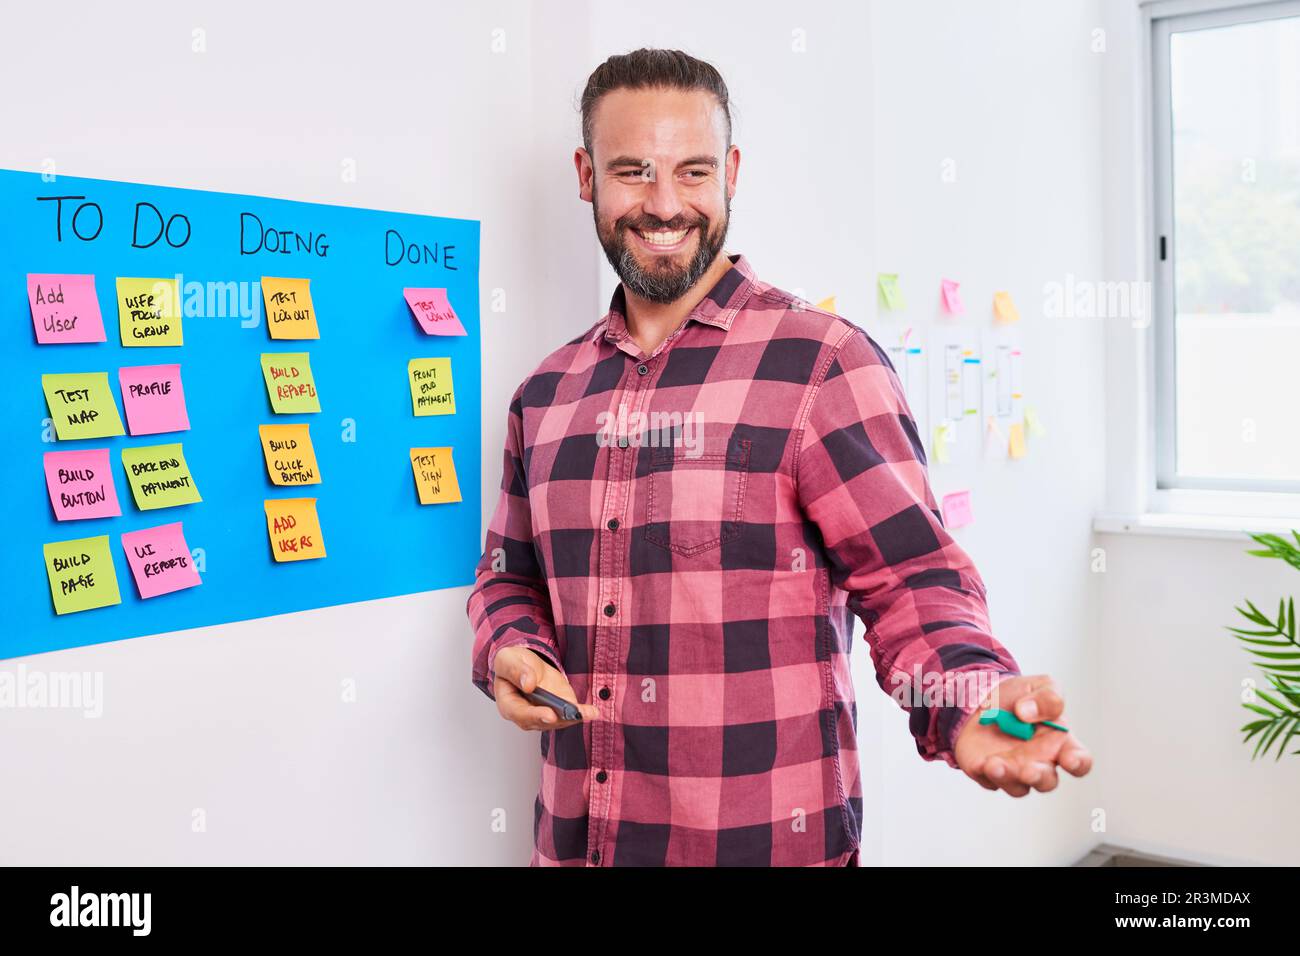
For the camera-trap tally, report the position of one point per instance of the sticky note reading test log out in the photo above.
(82, 576)
(289, 382)
(149, 311)
(81, 405)
(153, 399)
(294, 529)
(65, 309)
(289, 310)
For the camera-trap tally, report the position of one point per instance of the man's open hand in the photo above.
(518, 667)
(995, 760)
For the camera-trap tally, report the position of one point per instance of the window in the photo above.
(1226, 147)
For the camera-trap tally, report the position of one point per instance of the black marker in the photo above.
(544, 698)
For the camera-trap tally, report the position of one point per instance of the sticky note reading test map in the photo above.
(435, 475)
(434, 312)
(65, 309)
(294, 529)
(431, 391)
(81, 405)
(159, 476)
(160, 560)
(81, 574)
(289, 310)
(289, 382)
(153, 399)
(81, 485)
(290, 458)
(149, 311)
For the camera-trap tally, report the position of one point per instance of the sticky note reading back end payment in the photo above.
(81, 405)
(82, 576)
(65, 309)
(289, 382)
(294, 529)
(434, 312)
(159, 476)
(289, 310)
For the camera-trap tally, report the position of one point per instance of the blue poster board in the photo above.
(380, 541)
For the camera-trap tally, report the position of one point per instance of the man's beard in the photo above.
(665, 281)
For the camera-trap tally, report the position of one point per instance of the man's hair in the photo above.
(652, 69)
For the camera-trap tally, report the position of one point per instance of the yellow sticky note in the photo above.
(81, 574)
(294, 529)
(1016, 440)
(289, 382)
(1004, 308)
(940, 444)
(159, 476)
(827, 304)
(290, 458)
(891, 293)
(431, 391)
(1033, 423)
(149, 311)
(435, 475)
(289, 310)
(81, 405)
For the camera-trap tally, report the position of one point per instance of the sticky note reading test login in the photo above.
(289, 382)
(433, 311)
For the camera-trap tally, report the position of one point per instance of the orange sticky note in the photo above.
(289, 310)
(1004, 308)
(827, 304)
(1016, 440)
(290, 458)
(294, 529)
(435, 475)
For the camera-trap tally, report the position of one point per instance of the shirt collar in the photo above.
(719, 306)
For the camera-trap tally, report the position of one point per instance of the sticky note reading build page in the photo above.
(159, 477)
(65, 309)
(81, 405)
(294, 529)
(290, 458)
(149, 311)
(81, 574)
(81, 484)
(289, 310)
(289, 382)
(435, 475)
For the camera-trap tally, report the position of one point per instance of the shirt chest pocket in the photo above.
(696, 497)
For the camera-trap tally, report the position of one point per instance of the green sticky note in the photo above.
(891, 293)
(289, 382)
(81, 574)
(159, 476)
(81, 405)
(431, 391)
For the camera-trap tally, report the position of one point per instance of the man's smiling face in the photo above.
(660, 177)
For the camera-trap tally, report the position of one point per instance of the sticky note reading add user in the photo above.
(149, 311)
(289, 310)
(289, 382)
(81, 405)
(294, 529)
(431, 391)
(65, 309)
(81, 574)
(435, 475)
(159, 476)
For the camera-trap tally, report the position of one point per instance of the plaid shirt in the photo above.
(688, 537)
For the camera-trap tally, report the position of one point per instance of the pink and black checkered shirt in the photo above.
(688, 536)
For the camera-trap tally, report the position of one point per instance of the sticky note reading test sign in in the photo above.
(81, 574)
(160, 560)
(435, 475)
(289, 310)
(153, 399)
(289, 382)
(159, 477)
(294, 529)
(65, 309)
(81, 405)
(431, 391)
(149, 311)
(433, 311)
(81, 484)
(290, 458)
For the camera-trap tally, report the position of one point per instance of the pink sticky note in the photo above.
(81, 485)
(65, 308)
(160, 560)
(956, 509)
(434, 312)
(153, 399)
(952, 298)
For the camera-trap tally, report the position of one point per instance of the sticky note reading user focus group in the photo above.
(294, 529)
(289, 382)
(289, 310)
(159, 476)
(149, 311)
(433, 311)
(290, 458)
(81, 574)
(431, 391)
(160, 560)
(65, 308)
(153, 399)
(81, 484)
(81, 405)
(435, 475)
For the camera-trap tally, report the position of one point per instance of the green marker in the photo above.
(1009, 723)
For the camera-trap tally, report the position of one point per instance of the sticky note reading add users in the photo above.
(65, 309)
(289, 310)
(159, 476)
(435, 475)
(294, 529)
(433, 311)
(290, 458)
(81, 405)
(149, 311)
(81, 574)
(160, 560)
(431, 391)
(289, 382)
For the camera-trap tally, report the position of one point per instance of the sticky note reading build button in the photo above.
(81, 484)
(435, 475)
(431, 391)
(81, 405)
(294, 529)
(65, 309)
(149, 311)
(159, 477)
(289, 382)
(81, 574)
(160, 560)
(290, 458)
(289, 310)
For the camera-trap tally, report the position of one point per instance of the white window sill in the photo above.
(1182, 525)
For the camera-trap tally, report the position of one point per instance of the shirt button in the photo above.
(622, 441)
(609, 610)
(642, 369)
(604, 693)
(601, 777)
(595, 856)
(612, 524)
